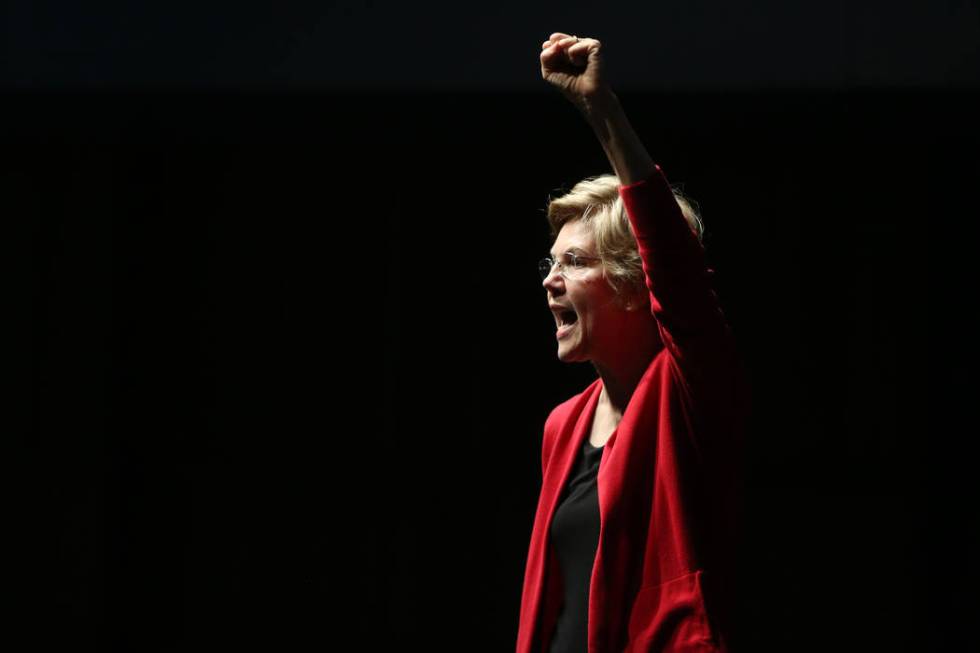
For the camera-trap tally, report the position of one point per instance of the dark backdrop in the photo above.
(283, 359)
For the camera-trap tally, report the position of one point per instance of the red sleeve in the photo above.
(692, 326)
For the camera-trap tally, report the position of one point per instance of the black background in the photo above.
(283, 359)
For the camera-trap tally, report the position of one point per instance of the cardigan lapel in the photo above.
(547, 591)
(624, 488)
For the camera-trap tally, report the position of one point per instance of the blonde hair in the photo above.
(597, 202)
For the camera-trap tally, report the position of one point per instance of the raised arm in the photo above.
(575, 67)
(692, 325)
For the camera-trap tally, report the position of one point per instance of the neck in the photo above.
(622, 368)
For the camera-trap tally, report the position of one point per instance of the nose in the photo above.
(551, 281)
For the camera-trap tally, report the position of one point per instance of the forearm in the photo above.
(629, 158)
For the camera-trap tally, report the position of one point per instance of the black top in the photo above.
(575, 534)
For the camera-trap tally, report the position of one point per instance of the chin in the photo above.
(571, 356)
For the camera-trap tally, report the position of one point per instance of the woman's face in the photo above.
(587, 315)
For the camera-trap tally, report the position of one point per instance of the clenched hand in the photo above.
(573, 65)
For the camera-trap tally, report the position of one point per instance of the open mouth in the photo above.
(565, 320)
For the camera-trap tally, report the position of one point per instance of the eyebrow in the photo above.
(570, 249)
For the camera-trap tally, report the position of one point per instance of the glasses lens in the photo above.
(544, 267)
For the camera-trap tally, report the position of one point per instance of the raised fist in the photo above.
(573, 65)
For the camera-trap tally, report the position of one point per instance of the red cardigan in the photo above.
(669, 480)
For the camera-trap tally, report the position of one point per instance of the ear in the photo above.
(636, 300)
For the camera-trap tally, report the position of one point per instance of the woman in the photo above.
(636, 525)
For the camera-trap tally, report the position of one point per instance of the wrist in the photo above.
(598, 106)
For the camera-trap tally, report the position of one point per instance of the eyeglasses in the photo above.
(571, 266)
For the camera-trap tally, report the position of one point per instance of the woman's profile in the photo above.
(636, 527)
